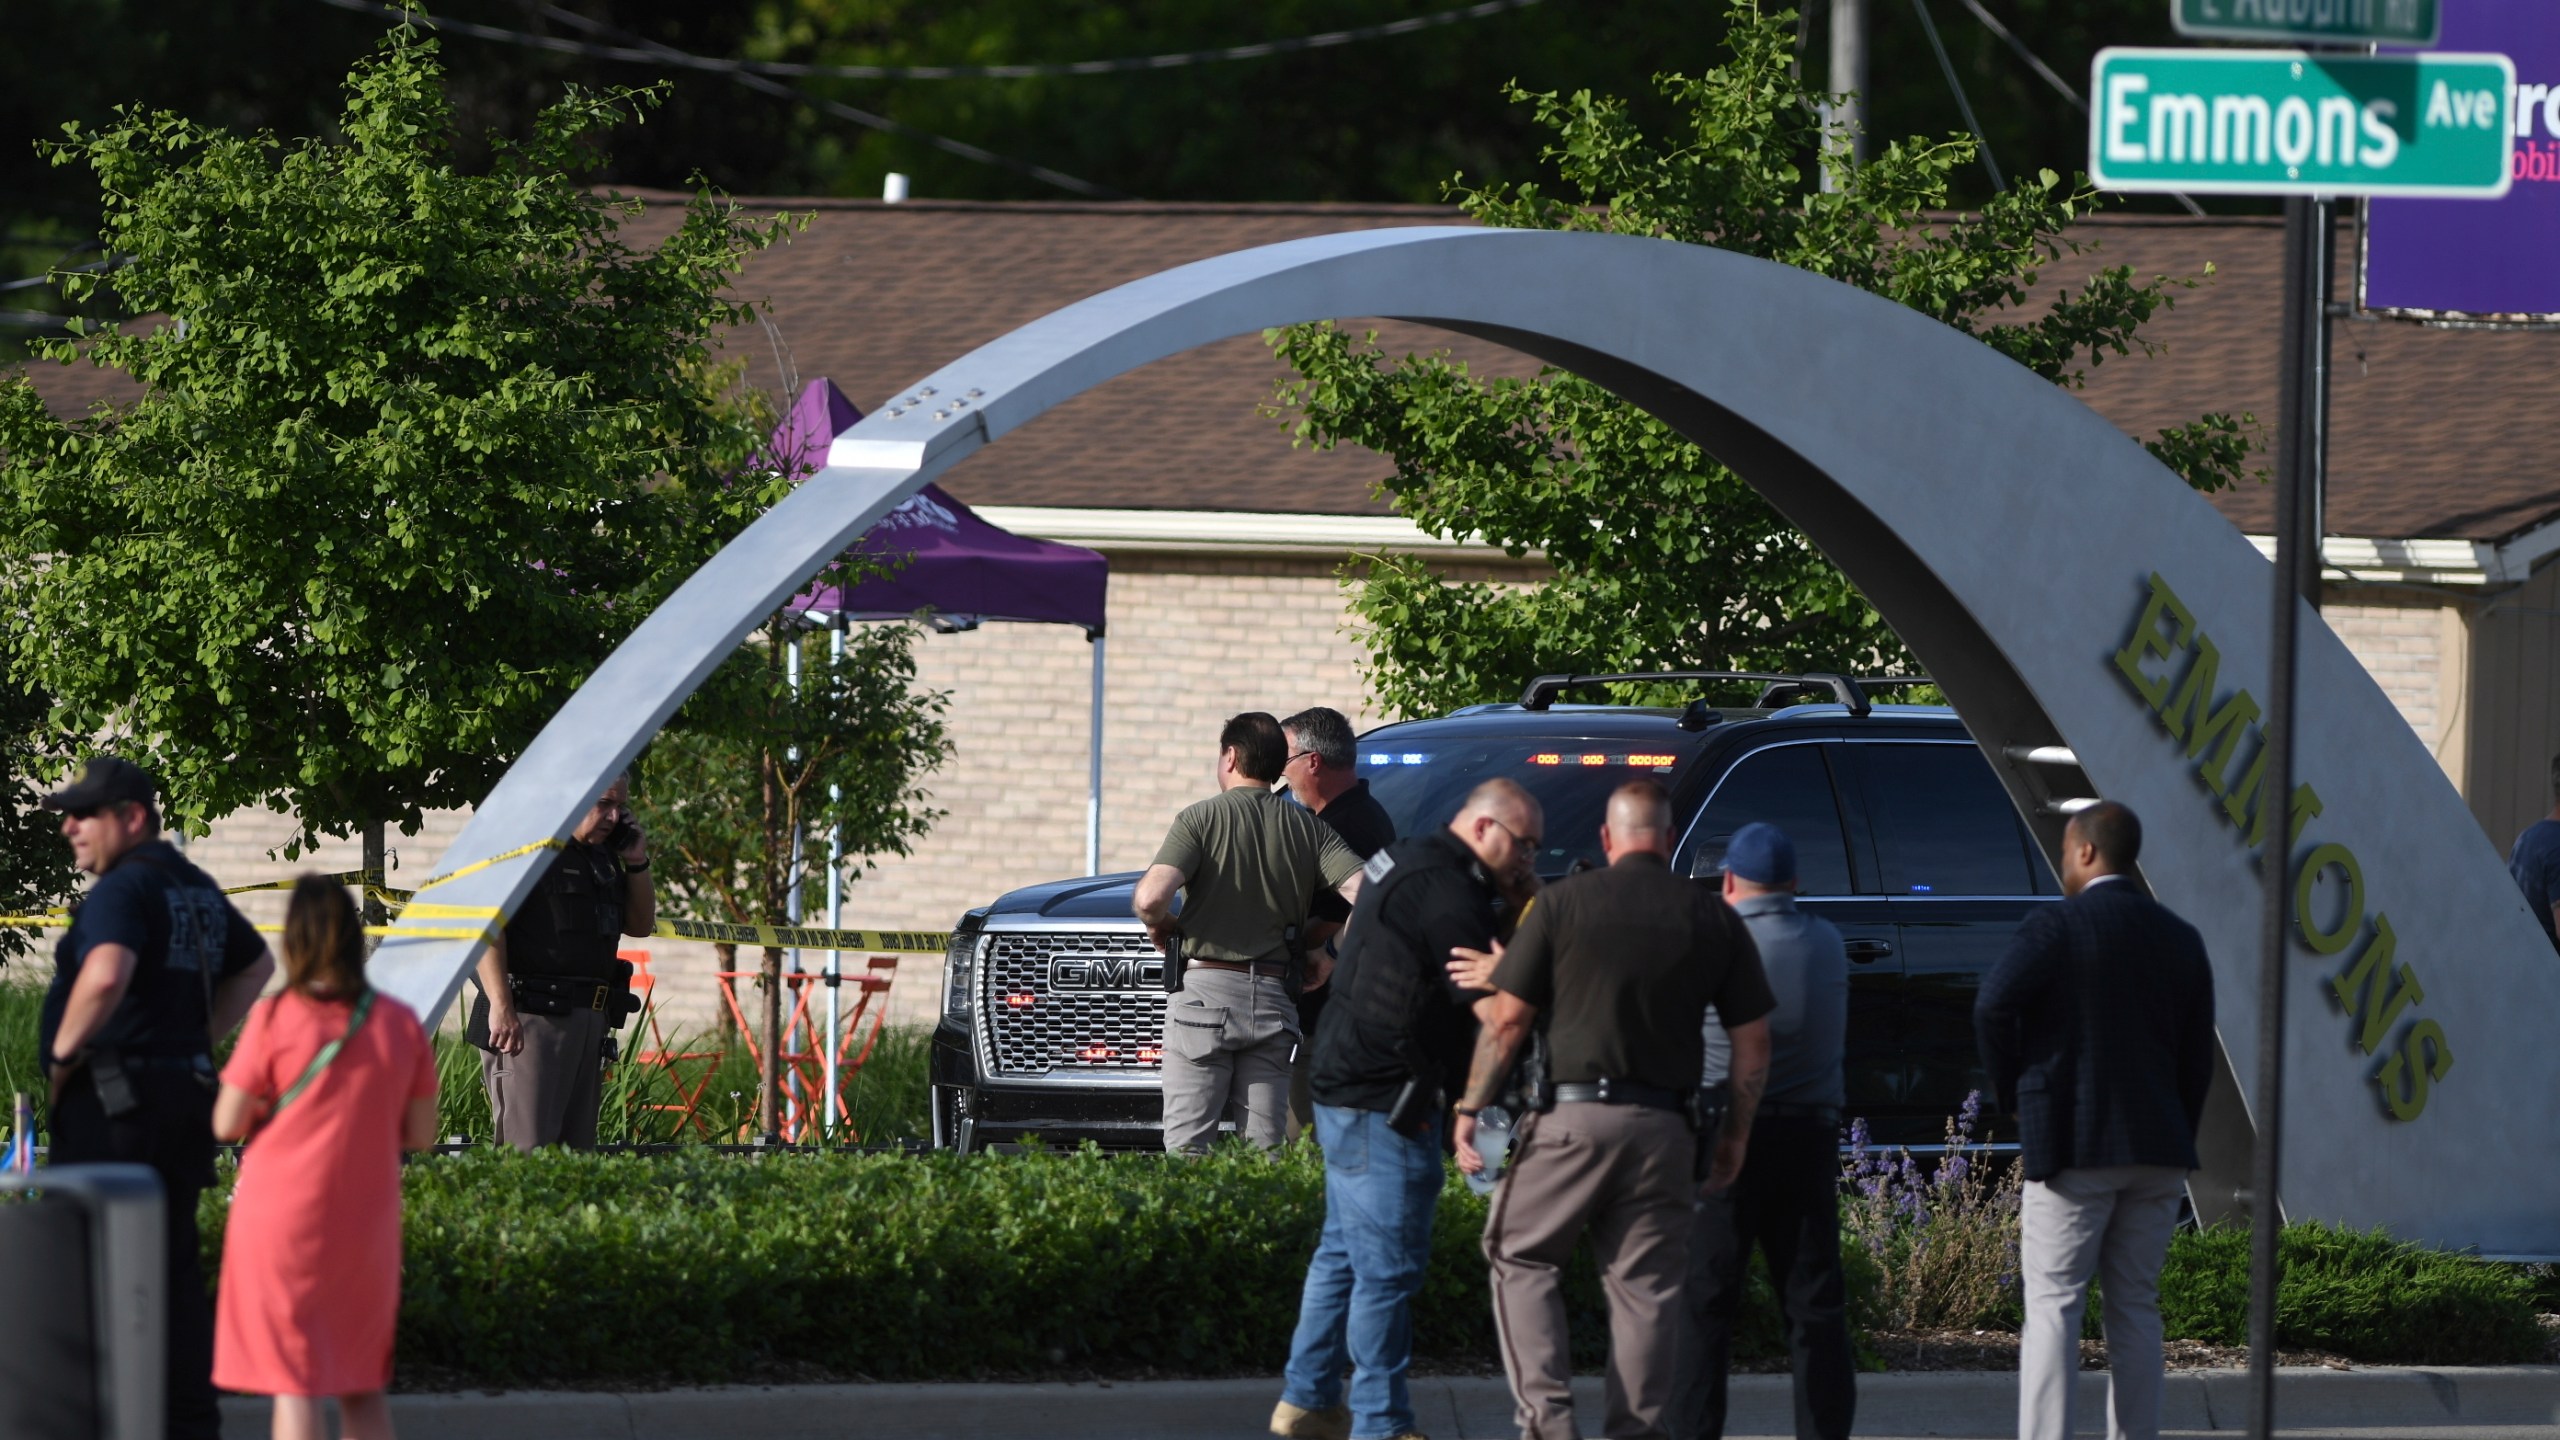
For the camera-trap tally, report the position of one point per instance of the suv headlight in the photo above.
(960, 965)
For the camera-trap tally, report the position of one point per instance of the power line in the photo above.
(842, 111)
(2045, 72)
(1176, 60)
(1964, 107)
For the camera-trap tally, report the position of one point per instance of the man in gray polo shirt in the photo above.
(1787, 1199)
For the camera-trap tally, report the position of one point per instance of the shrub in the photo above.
(1941, 1243)
(691, 1265)
(2359, 1294)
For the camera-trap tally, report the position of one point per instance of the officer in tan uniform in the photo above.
(547, 984)
(1622, 964)
(1249, 864)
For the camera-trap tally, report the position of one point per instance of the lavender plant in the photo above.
(1943, 1238)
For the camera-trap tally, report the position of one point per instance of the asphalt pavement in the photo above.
(2500, 1403)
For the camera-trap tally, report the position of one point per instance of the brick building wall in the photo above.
(2412, 644)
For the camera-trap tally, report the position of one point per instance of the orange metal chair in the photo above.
(803, 1060)
(703, 1063)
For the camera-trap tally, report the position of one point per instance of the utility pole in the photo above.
(2302, 447)
(1849, 27)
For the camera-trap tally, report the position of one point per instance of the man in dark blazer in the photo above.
(2097, 1028)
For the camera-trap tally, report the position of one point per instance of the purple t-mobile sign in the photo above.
(2483, 258)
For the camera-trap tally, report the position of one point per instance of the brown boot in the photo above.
(1293, 1422)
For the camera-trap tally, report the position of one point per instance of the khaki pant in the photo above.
(1625, 1174)
(549, 1092)
(2113, 1223)
(1228, 1040)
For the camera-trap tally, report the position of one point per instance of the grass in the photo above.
(21, 1001)
(886, 1100)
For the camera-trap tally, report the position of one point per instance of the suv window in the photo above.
(1788, 786)
(1943, 825)
(1422, 782)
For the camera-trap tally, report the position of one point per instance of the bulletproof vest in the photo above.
(572, 923)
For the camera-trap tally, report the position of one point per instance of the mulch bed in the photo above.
(1998, 1350)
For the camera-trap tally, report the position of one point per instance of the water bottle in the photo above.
(1493, 1142)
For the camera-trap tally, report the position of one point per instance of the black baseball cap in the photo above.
(108, 781)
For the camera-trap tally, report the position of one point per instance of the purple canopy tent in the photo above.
(963, 571)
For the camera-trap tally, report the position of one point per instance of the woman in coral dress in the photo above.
(311, 1256)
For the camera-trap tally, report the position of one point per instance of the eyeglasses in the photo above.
(1525, 842)
(1294, 757)
(86, 812)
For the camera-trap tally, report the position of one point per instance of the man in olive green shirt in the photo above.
(1250, 865)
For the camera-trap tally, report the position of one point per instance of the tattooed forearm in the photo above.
(1506, 1020)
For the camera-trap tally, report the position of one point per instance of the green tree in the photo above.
(417, 445)
(1663, 558)
(35, 862)
(742, 791)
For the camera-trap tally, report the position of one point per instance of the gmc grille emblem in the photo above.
(1106, 972)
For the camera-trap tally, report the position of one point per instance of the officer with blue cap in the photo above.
(1786, 1201)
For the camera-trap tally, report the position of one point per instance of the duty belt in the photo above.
(199, 1064)
(1620, 1092)
(1268, 970)
(1790, 1110)
(578, 992)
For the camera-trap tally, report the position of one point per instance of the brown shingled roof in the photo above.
(2434, 432)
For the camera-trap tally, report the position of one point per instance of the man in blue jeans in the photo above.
(1391, 1051)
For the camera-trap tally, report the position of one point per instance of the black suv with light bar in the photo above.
(1053, 1011)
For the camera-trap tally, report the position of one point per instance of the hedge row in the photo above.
(562, 1268)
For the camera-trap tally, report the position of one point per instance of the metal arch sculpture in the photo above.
(2066, 590)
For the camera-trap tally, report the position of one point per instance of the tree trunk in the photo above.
(373, 876)
(769, 1102)
(769, 972)
(726, 958)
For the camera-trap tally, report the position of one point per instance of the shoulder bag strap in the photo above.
(328, 1052)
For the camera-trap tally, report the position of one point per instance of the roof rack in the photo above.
(1542, 691)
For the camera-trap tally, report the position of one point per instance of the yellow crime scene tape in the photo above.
(795, 937)
(404, 905)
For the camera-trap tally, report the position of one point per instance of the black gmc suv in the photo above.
(1053, 1010)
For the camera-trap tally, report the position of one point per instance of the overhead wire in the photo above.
(1175, 60)
(766, 85)
(669, 55)
(2046, 73)
(1964, 107)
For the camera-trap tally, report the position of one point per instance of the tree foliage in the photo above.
(35, 862)
(1663, 558)
(751, 760)
(759, 768)
(417, 445)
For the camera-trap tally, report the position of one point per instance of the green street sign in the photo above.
(2280, 122)
(2312, 22)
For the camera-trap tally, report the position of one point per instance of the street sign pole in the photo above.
(2310, 224)
(2309, 127)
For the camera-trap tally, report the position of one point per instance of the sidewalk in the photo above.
(2504, 1403)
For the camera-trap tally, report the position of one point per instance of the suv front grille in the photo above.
(1089, 1000)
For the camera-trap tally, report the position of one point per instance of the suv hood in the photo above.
(1087, 897)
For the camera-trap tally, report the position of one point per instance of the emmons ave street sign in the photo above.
(2388, 22)
(2281, 122)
